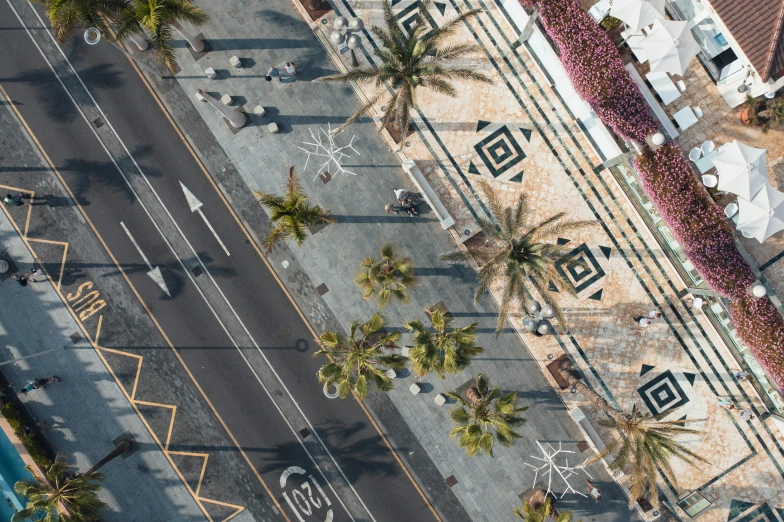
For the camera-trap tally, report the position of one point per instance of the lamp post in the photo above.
(92, 36)
(346, 34)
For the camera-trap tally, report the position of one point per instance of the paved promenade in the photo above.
(529, 141)
(86, 410)
(254, 159)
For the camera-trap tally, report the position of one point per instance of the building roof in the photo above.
(757, 27)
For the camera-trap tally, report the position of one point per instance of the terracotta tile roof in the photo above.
(757, 27)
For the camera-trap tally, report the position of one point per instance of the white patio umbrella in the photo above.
(670, 46)
(637, 13)
(742, 170)
(763, 216)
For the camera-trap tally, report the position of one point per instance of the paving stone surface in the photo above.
(85, 411)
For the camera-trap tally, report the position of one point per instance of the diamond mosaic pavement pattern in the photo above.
(603, 338)
(621, 281)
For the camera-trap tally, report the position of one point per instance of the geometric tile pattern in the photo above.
(663, 393)
(500, 151)
(762, 514)
(407, 17)
(580, 268)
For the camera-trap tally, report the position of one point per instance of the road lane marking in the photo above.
(190, 276)
(149, 313)
(198, 288)
(195, 206)
(154, 273)
(253, 241)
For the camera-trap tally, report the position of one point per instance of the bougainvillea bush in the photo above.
(759, 325)
(697, 222)
(595, 68)
(703, 230)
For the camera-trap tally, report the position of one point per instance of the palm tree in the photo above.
(158, 17)
(387, 278)
(517, 253)
(409, 61)
(533, 511)
(355, 361)
(646, 443)
(773, 113)
(291, 213)
(78, 493)
(487, 409)
(66, 16)
(443, 351)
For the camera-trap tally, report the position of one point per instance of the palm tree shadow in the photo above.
(356, 456)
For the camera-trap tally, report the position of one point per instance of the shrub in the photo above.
(596, 69)
(18, 423)
(708, 240)
(760, 326)
(697, 222)
(609, 23)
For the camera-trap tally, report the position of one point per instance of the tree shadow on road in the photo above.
(356, 453)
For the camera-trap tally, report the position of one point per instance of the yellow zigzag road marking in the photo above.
(94, 341)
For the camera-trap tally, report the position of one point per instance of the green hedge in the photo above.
(33, 446)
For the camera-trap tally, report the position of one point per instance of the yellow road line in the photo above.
(95, 347)
(252, 242)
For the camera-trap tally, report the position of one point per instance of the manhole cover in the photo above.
(284, 330)
(98, 122)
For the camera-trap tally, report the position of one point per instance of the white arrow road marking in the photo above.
(154, 273)
(195, 206)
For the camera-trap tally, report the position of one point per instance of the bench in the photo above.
(428, 193)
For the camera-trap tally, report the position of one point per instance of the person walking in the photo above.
(273, 72)
(654, 314)
(22, 279)
(13, 201)
(33, 272)
(595, 492)
(745, 415)
(725, 402)
(643, 321)
(742, 375)
(33, 385)
(290, 68)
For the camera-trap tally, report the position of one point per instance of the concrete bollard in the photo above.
(235, 62)
(226, 99)
(391, 373)
(211, 74)
(273, 128)
(440, 399)
(415, 388)
(259, 110)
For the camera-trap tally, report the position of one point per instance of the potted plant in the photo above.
(749, 114)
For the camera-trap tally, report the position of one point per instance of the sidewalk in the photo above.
(86, 410)
(254, 159)
(678, 367)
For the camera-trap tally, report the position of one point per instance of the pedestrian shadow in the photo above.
(54, 201)
(253, 44)
(399, 218)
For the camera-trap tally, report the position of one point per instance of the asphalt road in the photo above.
(186, 318)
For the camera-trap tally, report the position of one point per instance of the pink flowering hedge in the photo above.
(697, 222)
(596, 69)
